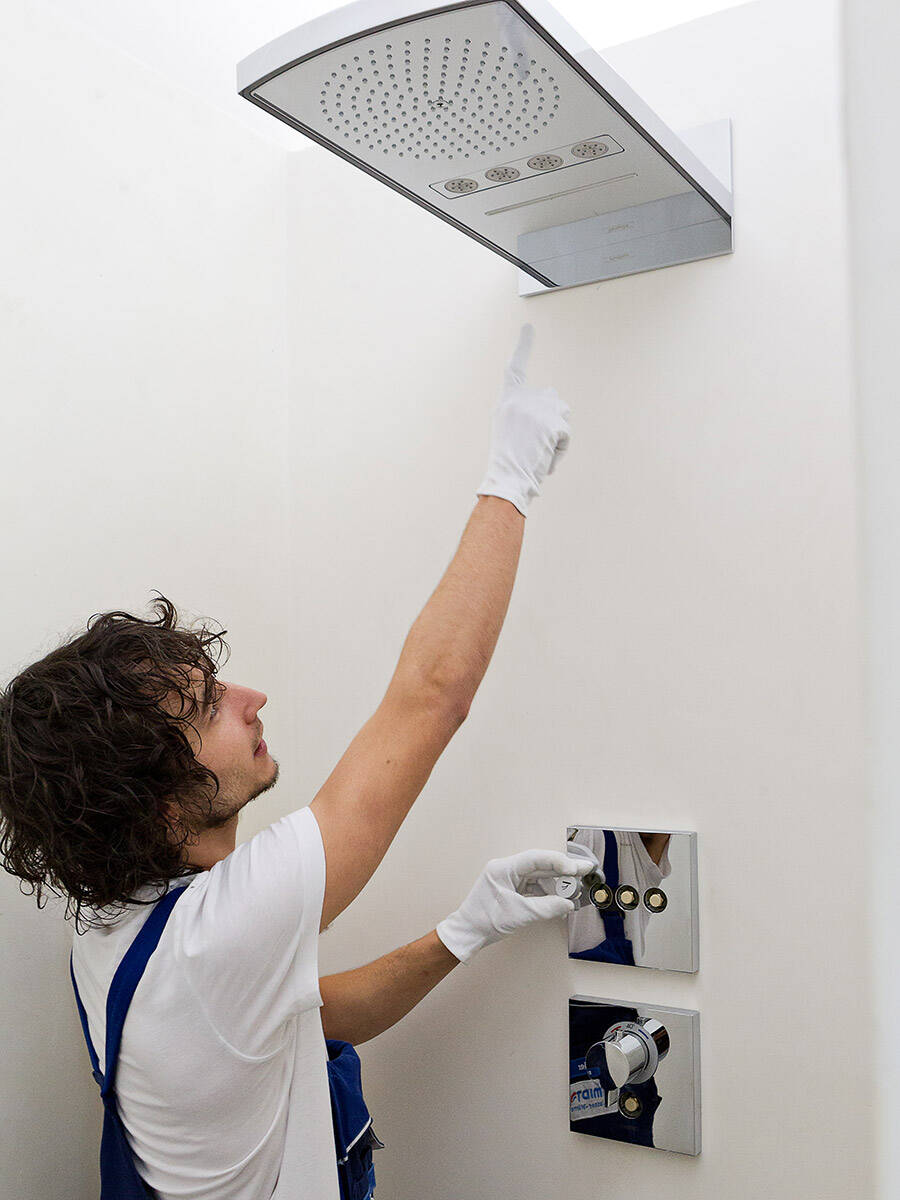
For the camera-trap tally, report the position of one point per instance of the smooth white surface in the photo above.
(682, 649)
(142, 302)
(685, 635)
(712, 144)
(873, 124)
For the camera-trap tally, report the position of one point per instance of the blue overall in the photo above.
(119, 1178)
(616, 947)
(354, 1137)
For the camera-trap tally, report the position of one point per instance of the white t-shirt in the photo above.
(222, 1080)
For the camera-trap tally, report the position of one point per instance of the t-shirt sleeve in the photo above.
(247, 935)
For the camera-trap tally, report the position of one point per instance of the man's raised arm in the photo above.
(364, 801)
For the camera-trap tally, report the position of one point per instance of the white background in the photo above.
(261, 382)
(197, 45)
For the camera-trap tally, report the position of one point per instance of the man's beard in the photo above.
(229, 807)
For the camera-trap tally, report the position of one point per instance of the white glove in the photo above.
(576, 850)
(507, 896)
(529, 433)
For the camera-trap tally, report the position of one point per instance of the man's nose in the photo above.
(250, 699)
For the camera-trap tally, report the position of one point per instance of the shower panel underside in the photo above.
(479, 114)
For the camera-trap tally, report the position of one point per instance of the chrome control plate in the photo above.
(639, 907)
(661, 1110)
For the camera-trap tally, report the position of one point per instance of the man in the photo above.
(124, 764)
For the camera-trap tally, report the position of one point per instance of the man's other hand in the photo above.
(508, 895)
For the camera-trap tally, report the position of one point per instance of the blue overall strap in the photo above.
(354, 1137)
(615, 947)
(119, 1178)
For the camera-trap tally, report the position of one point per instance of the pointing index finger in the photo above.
(517, 364)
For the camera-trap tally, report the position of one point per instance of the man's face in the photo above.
(232, 746)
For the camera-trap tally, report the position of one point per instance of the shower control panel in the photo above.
(555, 159)
(634, 1073)
(637, 906)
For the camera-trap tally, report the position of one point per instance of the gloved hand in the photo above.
(508, 895)
(529, 433)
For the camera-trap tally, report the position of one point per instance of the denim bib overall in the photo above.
(119, 1178)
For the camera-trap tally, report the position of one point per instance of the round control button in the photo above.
(630, 1105)
(601, 896)
(655, 899)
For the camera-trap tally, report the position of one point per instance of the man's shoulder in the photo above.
(116, 921)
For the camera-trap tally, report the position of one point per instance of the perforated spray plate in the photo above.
(476, 112)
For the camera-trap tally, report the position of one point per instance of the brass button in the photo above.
(627, 897)
(655, 899)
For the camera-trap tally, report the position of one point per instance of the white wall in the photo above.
(142, 377)
(682, 649)
(872, 33)
(196, 45)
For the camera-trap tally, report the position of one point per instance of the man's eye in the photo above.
(214, 708)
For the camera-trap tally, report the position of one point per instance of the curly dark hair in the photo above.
(94, 755)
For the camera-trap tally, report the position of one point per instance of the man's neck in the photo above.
(655, 845)
(213, 845)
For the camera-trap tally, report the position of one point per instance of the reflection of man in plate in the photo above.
(631, 1119)
(626, 857)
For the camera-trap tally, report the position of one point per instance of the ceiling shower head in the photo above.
(497, 117)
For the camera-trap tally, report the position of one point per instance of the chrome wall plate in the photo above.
(634, 1073)
(638, 907)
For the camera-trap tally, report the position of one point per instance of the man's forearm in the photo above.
(453, 638)
(357, 1005)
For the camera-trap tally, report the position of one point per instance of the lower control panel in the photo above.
(634, 1073)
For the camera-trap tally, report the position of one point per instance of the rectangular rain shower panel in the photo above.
(499, 119)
